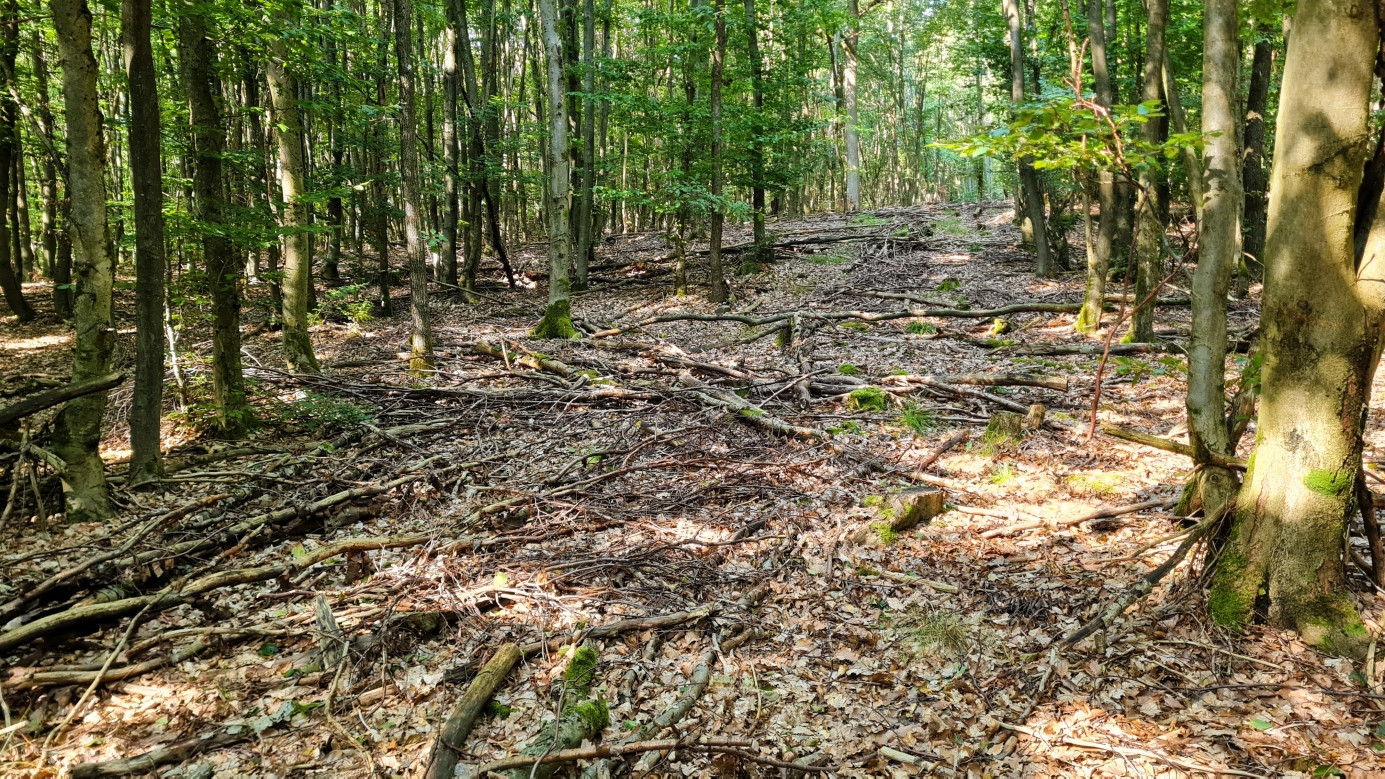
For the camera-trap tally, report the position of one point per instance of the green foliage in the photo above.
(847, 369)
(918, 419)
(317, 412)
(921, 328)
(885, 533)
(1002, 474)
(950, 226)
(1099, 484)
(352, 303)
(867, 220)
(949, 285)
(827, 258)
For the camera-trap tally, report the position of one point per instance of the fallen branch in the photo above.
(89, 614)
(53, 397)
(1059, 383)
(943, 448)
(452, 737)
(1098, 514)
(1179, 763)
(1165, 444)
(708, 743)
(188, 748)
(697, 684)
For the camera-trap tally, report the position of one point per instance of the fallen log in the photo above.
(87, 615)
(452, 738)
(53, 397)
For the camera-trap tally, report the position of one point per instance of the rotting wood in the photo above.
(451, 741)
(898, 513)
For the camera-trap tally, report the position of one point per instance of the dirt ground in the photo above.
(595, 482)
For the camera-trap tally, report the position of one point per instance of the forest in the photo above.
(608, 388)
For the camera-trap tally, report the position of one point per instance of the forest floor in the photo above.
(531, 497)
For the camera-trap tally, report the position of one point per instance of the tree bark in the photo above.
(584, 208)
(1320, 333)
(451, 141)
(146, 174)
(224, 273)
(1029, 179)
(557, 320)
(1149, 251)
(718, 293)
(853, 141)
(757, 154)
(77, 432)
(9, 134)
(60, 272)
(1256, 178)
(1219, 251)
(293, 219)
(421, 337)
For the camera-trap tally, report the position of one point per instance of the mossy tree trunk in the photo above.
(1320, 329)
(557, 320)
(77, 433)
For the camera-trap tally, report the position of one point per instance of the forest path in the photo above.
(558, 486)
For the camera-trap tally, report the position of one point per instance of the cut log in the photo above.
(898, 513)
(442, 762)
(1005, 427)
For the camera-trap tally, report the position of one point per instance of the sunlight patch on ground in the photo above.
(37, 343)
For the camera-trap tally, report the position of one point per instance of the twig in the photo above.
(707, 743)
(1186, 765)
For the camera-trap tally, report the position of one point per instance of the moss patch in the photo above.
(557, 322)
(1330, 483)
(594, 714)
(885, 533)
(581, 671)
(868, 399)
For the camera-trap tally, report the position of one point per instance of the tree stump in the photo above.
(898, 513)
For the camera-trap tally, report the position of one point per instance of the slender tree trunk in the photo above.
(1149, 253)
(48, 183)
(1320, 333)
(1256, 178)
(475, 155)
(379, 209)
(757, 154)
(1219, 251)
(9, 134)
(146, 174)
(718, 293)
(77, 431)
(451, 141)
(224, 273)
(298, 346)
(584, 207)
(421, 338)
(21, 212)
(557, 320)
(853, 141)
(1029, 179)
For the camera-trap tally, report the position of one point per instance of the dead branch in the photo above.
(1059, 383)
(452, 738)
(943, 448)
(708, 743)
(1098, 514)
(53, 397)
(1165, 444)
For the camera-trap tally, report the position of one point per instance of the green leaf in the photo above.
(268, 650)
(1260, 723)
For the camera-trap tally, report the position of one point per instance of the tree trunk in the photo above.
(557, 320)
(77, 432)
(718, 293)
(146, 174)
(201, 86)
(421, 337)
(283, 90)
(1253, 161)
(1029, 179)
(1179, 121)
(584, 208)
(451, 141)
(1320, 332)
(1149, 252)
(853, 141)
(9, 270)
(1219, 252)
(48, 183)
(378, 215)
(757, 154)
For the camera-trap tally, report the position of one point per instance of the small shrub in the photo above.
(950, 226)
(921, 328)
(1002, 474)
(949, 284)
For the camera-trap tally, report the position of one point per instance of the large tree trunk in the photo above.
(283, 90)
(146, 173)
(1149, 252)
(224, 273)
(584, 207)
(1029, 179)
(1256, 177)
(421, 337)
(1219, 251)
(853, 140)
(77, 433)
(717, 292)
(9, 265)
(757, 154)
(1320, 330)
(557, 320)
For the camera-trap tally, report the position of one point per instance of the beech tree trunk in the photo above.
(718, 292)
(1256, 178)
(1029, 179)
(9, 260)
(48, 183)
(224, 272)
(1320, 333)
(421, 337)
(293, 218)
(853, 140)
(757, 154)
(1099, 259)
(557, 320)
(77, 431)
(1149, 210)
(146, 173)
(1219, 251)
(584, 208)
(451, 141)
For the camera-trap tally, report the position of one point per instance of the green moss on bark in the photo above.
(1232, 600)
(556, 322)
(1330, 483)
